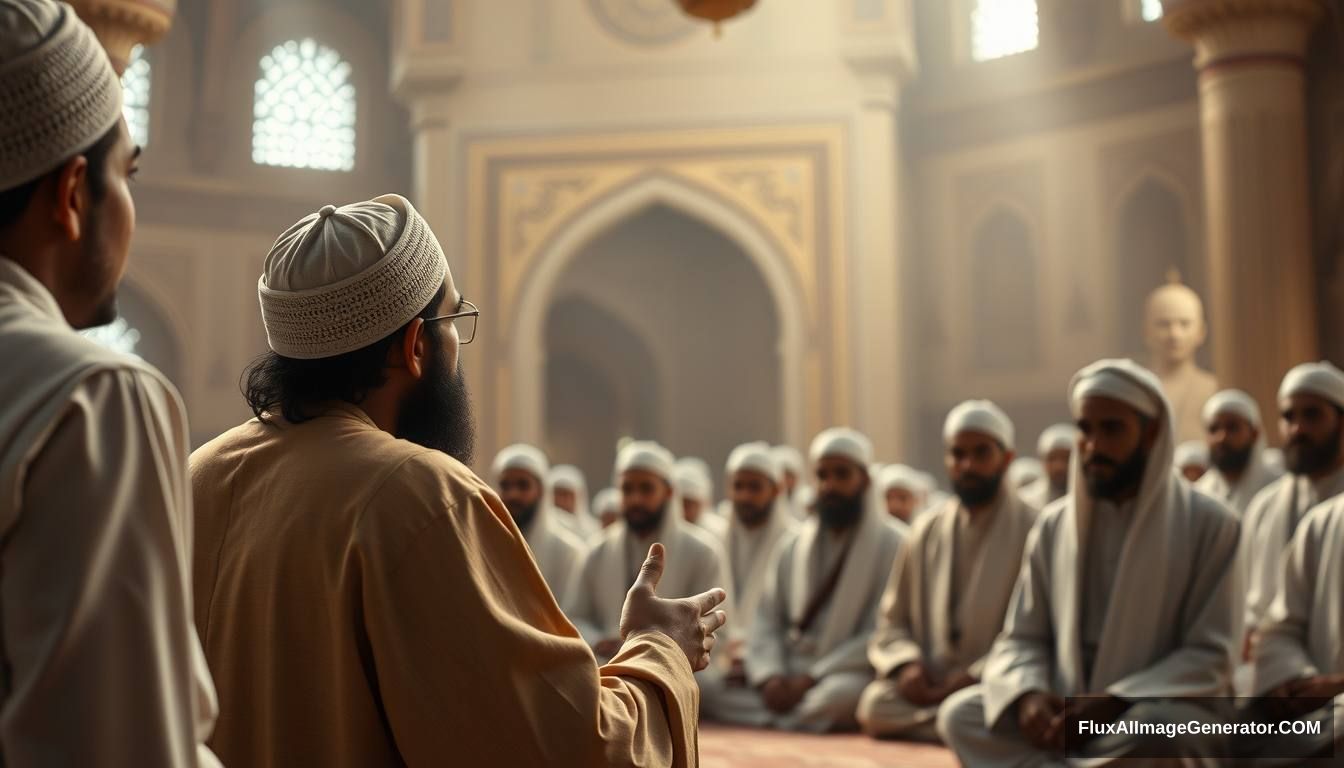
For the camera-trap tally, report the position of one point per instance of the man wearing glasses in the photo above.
(362, 597)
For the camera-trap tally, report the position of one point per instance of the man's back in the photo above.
(367, 602)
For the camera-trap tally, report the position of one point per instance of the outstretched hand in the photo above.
(690, 621)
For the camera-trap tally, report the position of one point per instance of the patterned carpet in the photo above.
(723, 747)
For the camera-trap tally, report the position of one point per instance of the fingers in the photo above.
(652, 570)
(706, 601)
(713, 622)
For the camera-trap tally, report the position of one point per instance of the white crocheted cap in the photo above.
(58, 92)
(343, 278)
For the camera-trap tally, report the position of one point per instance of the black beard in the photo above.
(647, 521)
(437, 413)
(1127, 477)
(751, 516)
(839, 512)
(976, 491)
(1303, 457)
(523, 516)
(1230, 461)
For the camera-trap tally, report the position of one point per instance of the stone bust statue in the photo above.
(1174, 330)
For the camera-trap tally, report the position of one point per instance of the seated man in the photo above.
(652, 513)
(1237, 470)
(1054, 448)
(903, 492)
(1299, 660)
(569, 493)
(951, 584)
(1130, 591)
(520, 475)
(807, 654)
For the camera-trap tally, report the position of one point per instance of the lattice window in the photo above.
(1003, 28)
(304, 108)
(135, 100)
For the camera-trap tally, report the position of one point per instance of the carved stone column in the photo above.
(1249, 55)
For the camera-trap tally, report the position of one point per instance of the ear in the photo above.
(415, 348)
(71, 197)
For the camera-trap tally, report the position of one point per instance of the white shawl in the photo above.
(758, 548)
(1171, 626)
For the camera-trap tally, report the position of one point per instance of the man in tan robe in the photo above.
(807, 653)
(651, 511)
(1311, 403)
(363, 598)
(101, 664)
(1237, 469)
(1127, 601)
(520, 473)
(950, 586)
(761, 524)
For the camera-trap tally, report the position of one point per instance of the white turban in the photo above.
(1057, 437)
(789, 459)
(756, 457)
(901, 476)
(1194, 453)
(980, 416)
(58, 92)
(1321, 379)
(1235, 402)
(649, 457)
(525, 457)
(693, 479)
(1025, 470)
(569, 477)
(1123, 380)
(343, 278)
(607, 500)
(844, 443)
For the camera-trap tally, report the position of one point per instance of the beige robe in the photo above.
(1267, 528)
(1238, 495)
(367, 602)
(1303, 634)
(102, 662)
(694, 563)
(952, 579)
(557, 551)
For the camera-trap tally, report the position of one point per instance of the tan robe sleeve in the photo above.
(476, 664)
(98, 635)
(893, 644)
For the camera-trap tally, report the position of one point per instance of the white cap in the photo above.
(981, 416)
(1122, 380)
(607, 500)
(342, 278)
(569, 477)
(528, 458)
(901, 476)
(755, 457)
(844, 443)
(649, 457)
(790, 460)
(1321, 379)
(693, 480)
(1057, 437)
(1193, 453)
(1235, 402)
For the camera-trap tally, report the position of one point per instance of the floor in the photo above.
(724, 747)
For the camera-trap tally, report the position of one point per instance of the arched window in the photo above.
(1150, 10)
(1007, 335)
(135, 95)
(304, 109)
(1002, 28)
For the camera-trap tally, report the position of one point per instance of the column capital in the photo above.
(1227, 32)
(123, 24)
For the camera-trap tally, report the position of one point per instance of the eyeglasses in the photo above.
(464, 322)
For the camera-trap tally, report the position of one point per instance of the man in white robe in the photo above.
(569, 496)
(1127, 602)
(903, 492)
(1311, 404)
(760, 525)
(1054, 448)
(1192, 460)
(520, 473)
(101, 662)
(696, 488)
(1300, 655)
(950, 586)
(1237, 469)
(607, 507)
(797, 493)
(808, 659)
(1025, 472)
(651, 511)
